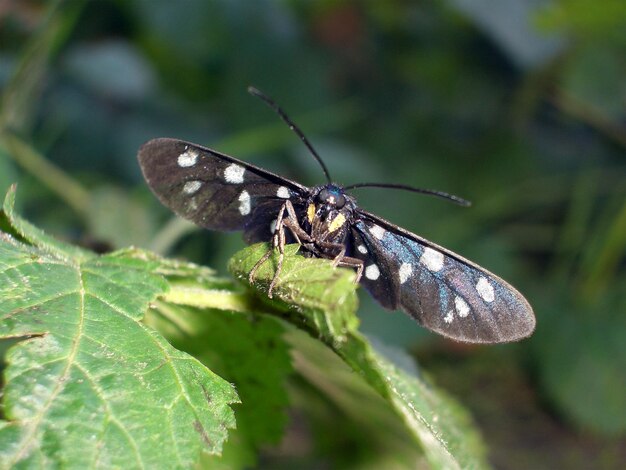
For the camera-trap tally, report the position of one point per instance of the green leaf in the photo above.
(89, 384)
(325, 300)
(307, 290)
(249, 351)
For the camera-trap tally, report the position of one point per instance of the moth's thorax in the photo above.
(329, 210)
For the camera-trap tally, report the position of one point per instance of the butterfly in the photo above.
(441, 290)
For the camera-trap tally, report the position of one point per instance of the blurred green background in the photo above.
(517, 105)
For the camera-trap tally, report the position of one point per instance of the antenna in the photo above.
(450, 197)
(292, 126)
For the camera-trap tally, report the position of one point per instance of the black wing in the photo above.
(214, 190)
(441, 290)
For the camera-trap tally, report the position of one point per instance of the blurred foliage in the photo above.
(517, 105)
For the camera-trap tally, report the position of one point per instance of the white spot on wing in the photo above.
(449, 316)
(485, 290)
(283, 192)
(244, 203)
(191, 187)
(362, 249)
(233, 173)
(461, 307)
(188, 158)
(377, 231)
(372, 272)
(404, 272)
(432, 259)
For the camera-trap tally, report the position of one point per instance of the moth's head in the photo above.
(329, 207)
(331, 196)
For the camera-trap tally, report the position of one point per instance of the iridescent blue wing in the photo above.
(439, 289)
(214, 190)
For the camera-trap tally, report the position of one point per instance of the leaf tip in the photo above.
(9, 199)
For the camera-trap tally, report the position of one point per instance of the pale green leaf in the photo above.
(324, 301)
(308, 286)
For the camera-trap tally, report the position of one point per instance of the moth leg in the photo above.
(278, 241)
(356, 263)
(280, 244)
(275, 244)
(257, 265)
(291, 222)
(297, 232)
(346, 261)
(340, 256)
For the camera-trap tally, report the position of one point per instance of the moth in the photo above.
(441, 290)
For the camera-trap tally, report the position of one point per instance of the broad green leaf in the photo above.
(325, 300)
(89, 385)
(248, 350)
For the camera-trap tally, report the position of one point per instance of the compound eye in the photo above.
(331, 197)
(324, 195)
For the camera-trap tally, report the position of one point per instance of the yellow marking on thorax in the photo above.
(337, 222)
(310, 213)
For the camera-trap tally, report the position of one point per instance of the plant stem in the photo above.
(74, 194)
(209, 298)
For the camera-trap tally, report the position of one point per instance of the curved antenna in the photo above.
(292, 126)
(431, 192)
